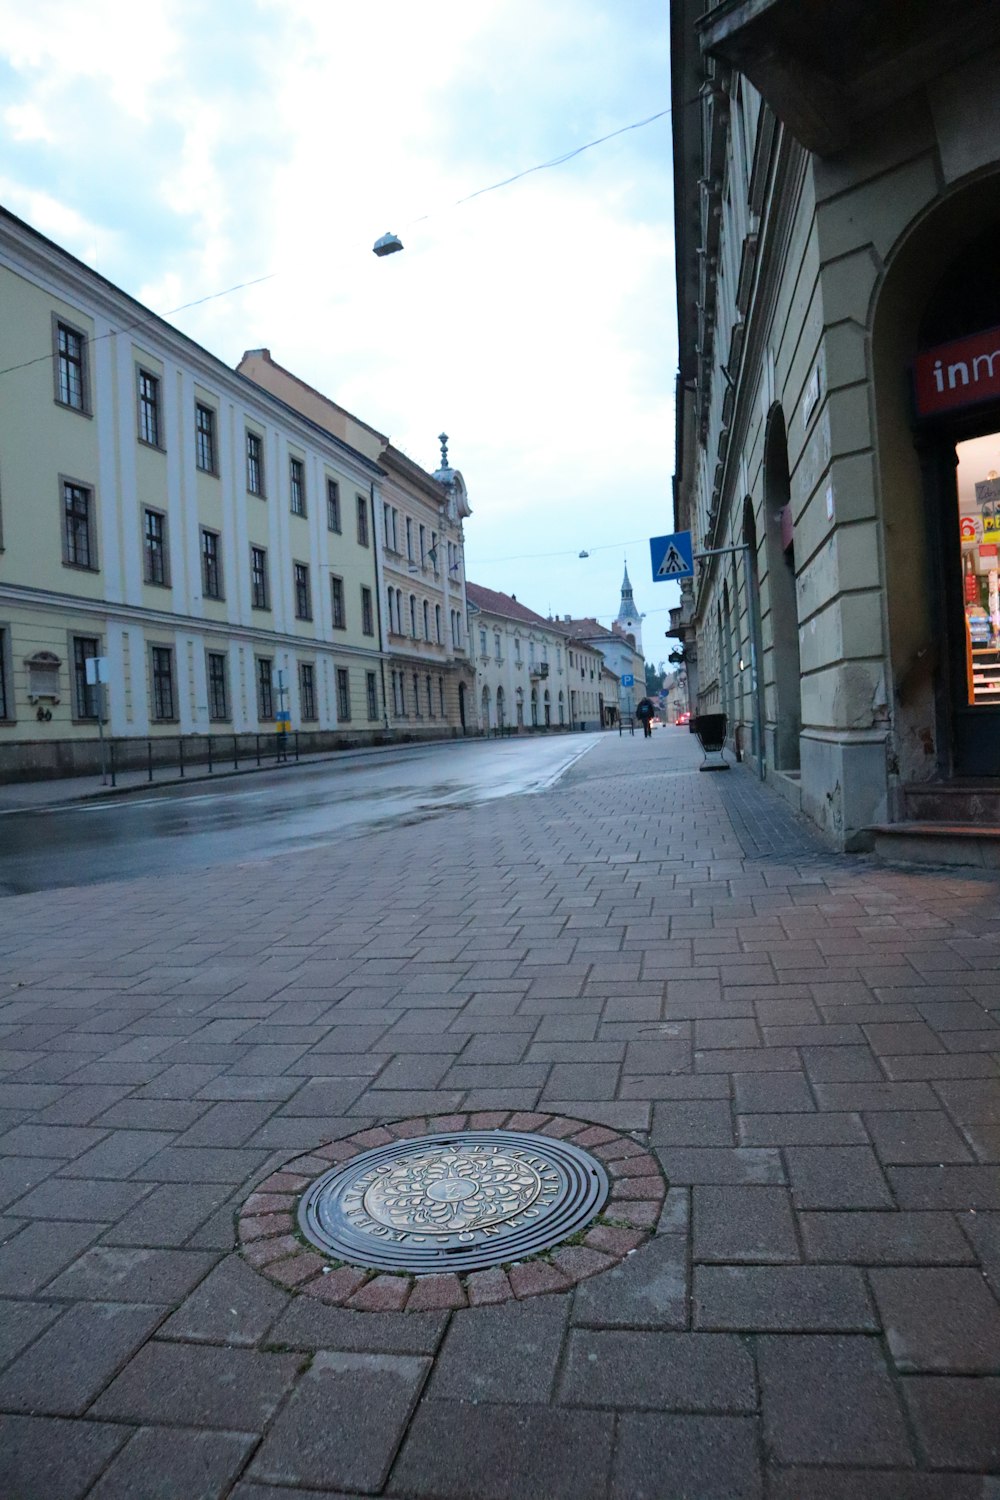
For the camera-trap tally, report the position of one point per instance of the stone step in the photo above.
(938, 843)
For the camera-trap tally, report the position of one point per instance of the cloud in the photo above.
(202, 146)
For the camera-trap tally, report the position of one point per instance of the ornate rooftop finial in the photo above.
(443, 440)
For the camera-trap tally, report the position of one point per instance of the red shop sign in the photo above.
(963, 373)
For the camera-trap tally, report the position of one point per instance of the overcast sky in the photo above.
(183, 146)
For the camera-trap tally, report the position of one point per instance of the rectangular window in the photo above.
(337, 603)
(71, 368)
(79, 538)
(162, 666)
(211, 565)
(409, 539)
(433, 553)
(367, 613)
(372, 692)
(307, 689)
(255, 463)
(441, 695)
(362, 521)
(423, 547)
(265, 688)
(260, 593)
(155, 541)
(343, 695)
(218, 685)
(149, 409)
(387, 521)
(416, 696)
(303, 598)
(204, 438)
(332, 505)
(975, 590)
(430, 700)
(297, 486)
(482, 639)
(84, 693)
(6, 687)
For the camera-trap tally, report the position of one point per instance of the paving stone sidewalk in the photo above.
(809, 1043)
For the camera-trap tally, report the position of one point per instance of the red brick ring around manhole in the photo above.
(272, 1242)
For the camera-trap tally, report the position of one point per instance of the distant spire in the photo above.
(443, 440)
(629, 619)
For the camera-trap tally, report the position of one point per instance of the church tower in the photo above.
(629, 620)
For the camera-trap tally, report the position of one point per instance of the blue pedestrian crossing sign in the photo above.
(672, 557)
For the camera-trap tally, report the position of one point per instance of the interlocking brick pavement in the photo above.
(809, 1044)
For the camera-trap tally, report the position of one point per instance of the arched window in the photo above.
(437, 623)
(413, 616)
(517, 651)
(427, 621)
(486, 708)
(500, 705)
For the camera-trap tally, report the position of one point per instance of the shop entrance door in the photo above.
(972, 603)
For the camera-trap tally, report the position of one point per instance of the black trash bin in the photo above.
(711, 732)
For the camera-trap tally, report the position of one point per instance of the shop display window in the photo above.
(979, 532)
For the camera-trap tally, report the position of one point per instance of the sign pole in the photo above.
(100, 732)
(96, 674)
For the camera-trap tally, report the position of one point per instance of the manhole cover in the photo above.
(458, 1202)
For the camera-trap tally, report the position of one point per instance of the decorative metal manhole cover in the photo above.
(458, 1202)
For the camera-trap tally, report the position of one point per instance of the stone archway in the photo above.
(940, 285)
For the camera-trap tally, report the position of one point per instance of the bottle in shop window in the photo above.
(971, 579)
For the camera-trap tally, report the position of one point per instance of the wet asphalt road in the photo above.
(275, 812)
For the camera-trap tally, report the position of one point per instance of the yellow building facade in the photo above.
(421, 557)
(217, 548)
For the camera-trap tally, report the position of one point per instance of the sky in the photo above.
(183, 148)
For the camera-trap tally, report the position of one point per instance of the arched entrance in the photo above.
(548, 709)
(519, 704)
(487, 718)
(782, 627)
(937, 398)
(500, 708)
(534, 708)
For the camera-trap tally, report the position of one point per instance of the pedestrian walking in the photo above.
(644, 713)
